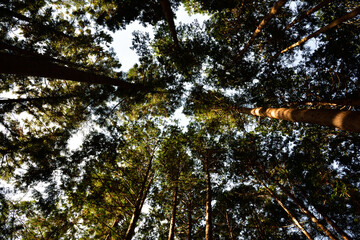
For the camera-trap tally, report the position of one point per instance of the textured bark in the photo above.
(342, 102)
(144, 190)
(208, 227)
(333, 24)
(37, 67)
(307, 13)
(173, 214)
(345, 120)
(262, 24)
(169, 16)
(332, 223)
(293, 218)
(307, 212)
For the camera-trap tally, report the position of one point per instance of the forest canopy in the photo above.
(271, 148)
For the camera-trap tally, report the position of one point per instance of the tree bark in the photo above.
(231, 235)
(345, 120)
(144, 189)
(293, 218)
(333, 24)
(307, 212)
(343, 102)
(190, 222)
(307, 13)
(37, 67)
(262, 24)
(169, 16)
(208, 228)
(173, 214)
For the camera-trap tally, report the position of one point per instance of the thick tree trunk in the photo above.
(169, 16)
(208, 227)
(37, 67)
(333, 24)
(293, 218)
(307, 13)
(345, 120)
(173, 214)
(307, 212)
(262, 24)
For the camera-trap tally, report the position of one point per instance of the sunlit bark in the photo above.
(262, 24)
(307, 13)
(345, 120)
(333, 24)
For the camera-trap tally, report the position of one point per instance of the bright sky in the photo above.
(123, 39)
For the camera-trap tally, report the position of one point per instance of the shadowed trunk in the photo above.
(333, 24)
(345, 120)
(262, 24)
(307, 13)
(37, 67)
(173, 214)
(208, 228)
(293, 218)
(169, 16)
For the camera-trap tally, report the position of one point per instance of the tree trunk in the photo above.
(307, 13)
(190, 224)
(332, 223)
(293, 218)
(307, 212)
(262, 24)
(345, 120)
(208, 228)
(169, 16)
(333, 24)
(231, 235)
(144, 189)
(173, 214)
(37, 67)
(342, 102)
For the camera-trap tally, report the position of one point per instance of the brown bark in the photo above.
(37, 67)
(231, 235)
(293, 218)
(333, 24)
(332, 223)
(345, 120)
(169, 17)
(208, 227)
(144, 190)
(307, 13)
(173, 214)
(262, 24)
(343, 102)
(307, 212)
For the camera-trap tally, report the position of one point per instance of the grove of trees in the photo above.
(271, 144)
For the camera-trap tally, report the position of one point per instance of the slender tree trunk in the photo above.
(307, 212)
(343, 102)
(293, 218)
(169, 16)
(333, 24)
(208, 228)
(231, 235)
(190, 223)
(262, 24)
(307, 13)
(144, 189)
(37, 67)
(345, 120)
(332, 223)
(173, 214)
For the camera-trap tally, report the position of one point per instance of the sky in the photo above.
(123, 39)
